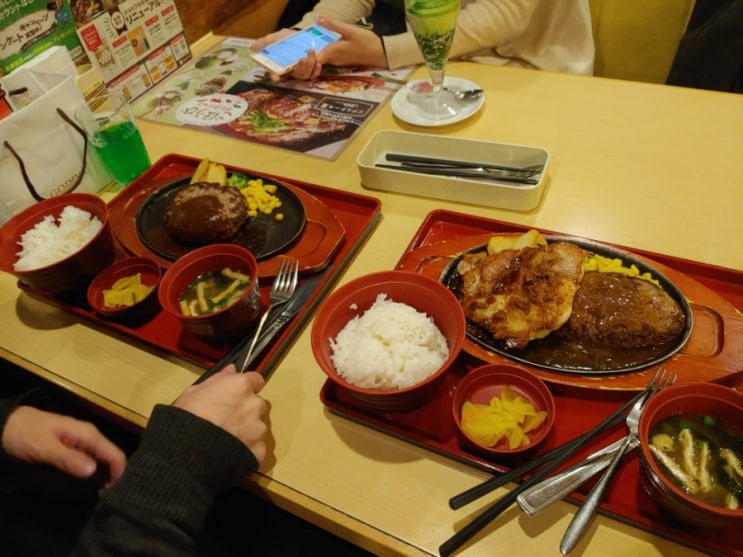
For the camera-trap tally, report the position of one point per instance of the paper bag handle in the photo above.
(24, 173)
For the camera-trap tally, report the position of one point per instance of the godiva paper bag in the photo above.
(43, 151)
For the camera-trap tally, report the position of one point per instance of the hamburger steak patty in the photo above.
(610, 309)
(205, 213)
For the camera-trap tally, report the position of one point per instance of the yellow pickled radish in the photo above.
(126, 292)
(509, 415)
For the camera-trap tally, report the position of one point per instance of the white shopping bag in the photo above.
(43, 151)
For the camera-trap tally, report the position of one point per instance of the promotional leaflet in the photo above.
(83, 10)
(29, 27)
(225, 91)
(135, 44)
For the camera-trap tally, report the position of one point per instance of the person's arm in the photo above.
(483, 24)
(73, 446)
(347, 11)
(357, 46)
(33, 397)
(211, 439)
(33, 435)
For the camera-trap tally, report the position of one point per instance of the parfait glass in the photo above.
(433, 23)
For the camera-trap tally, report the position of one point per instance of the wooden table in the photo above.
(648, 166)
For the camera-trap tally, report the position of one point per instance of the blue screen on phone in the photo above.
(289, 51)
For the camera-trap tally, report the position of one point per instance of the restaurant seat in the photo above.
(244, 18)
(637, 39)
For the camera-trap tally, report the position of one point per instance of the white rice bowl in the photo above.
(49, 242)
(391, 346)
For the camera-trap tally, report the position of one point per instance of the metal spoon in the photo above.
(462, 96)
(466, 95)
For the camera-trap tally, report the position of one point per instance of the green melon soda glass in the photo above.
(113, 132)
(433, 23)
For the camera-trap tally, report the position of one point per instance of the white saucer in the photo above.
(408, 112)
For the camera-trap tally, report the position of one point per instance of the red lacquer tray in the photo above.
(579, 405)
(338, 222)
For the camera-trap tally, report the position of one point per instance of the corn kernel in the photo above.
(260, 198)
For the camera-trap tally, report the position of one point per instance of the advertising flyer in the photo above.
(29, 27)
(226, 92)
(83, 10)
(135, 44)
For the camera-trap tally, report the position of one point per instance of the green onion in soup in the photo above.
(213, 291)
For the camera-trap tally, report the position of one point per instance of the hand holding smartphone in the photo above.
(281, 56)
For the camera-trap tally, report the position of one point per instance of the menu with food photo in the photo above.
(226, 92)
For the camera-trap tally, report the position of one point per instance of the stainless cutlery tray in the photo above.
(491, 193)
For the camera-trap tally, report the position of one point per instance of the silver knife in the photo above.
(275, 324)
(291, 309)
(554, 488)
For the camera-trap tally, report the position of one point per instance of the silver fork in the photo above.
(587, 512)
(281, 291)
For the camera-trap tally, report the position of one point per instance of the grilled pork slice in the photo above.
(205, 213)
(521, 295)
(616, 310)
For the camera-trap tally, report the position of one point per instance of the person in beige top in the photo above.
(541, 34)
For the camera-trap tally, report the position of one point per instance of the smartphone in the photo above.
(281, 56)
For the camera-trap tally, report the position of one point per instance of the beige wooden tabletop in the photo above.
(648, 166)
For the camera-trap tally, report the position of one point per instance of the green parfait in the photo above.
(433, 23)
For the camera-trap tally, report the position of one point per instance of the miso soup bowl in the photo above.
(718, 401)
(71, 273)
(226, 324)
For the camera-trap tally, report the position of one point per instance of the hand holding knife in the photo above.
(275, 323)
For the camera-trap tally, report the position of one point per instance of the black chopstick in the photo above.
(492, 512)
(399, 157)
(461, 173)
(558, 456)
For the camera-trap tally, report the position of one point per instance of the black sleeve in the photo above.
(158, 507)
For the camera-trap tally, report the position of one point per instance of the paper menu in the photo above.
(135, 44)
(317, 117)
